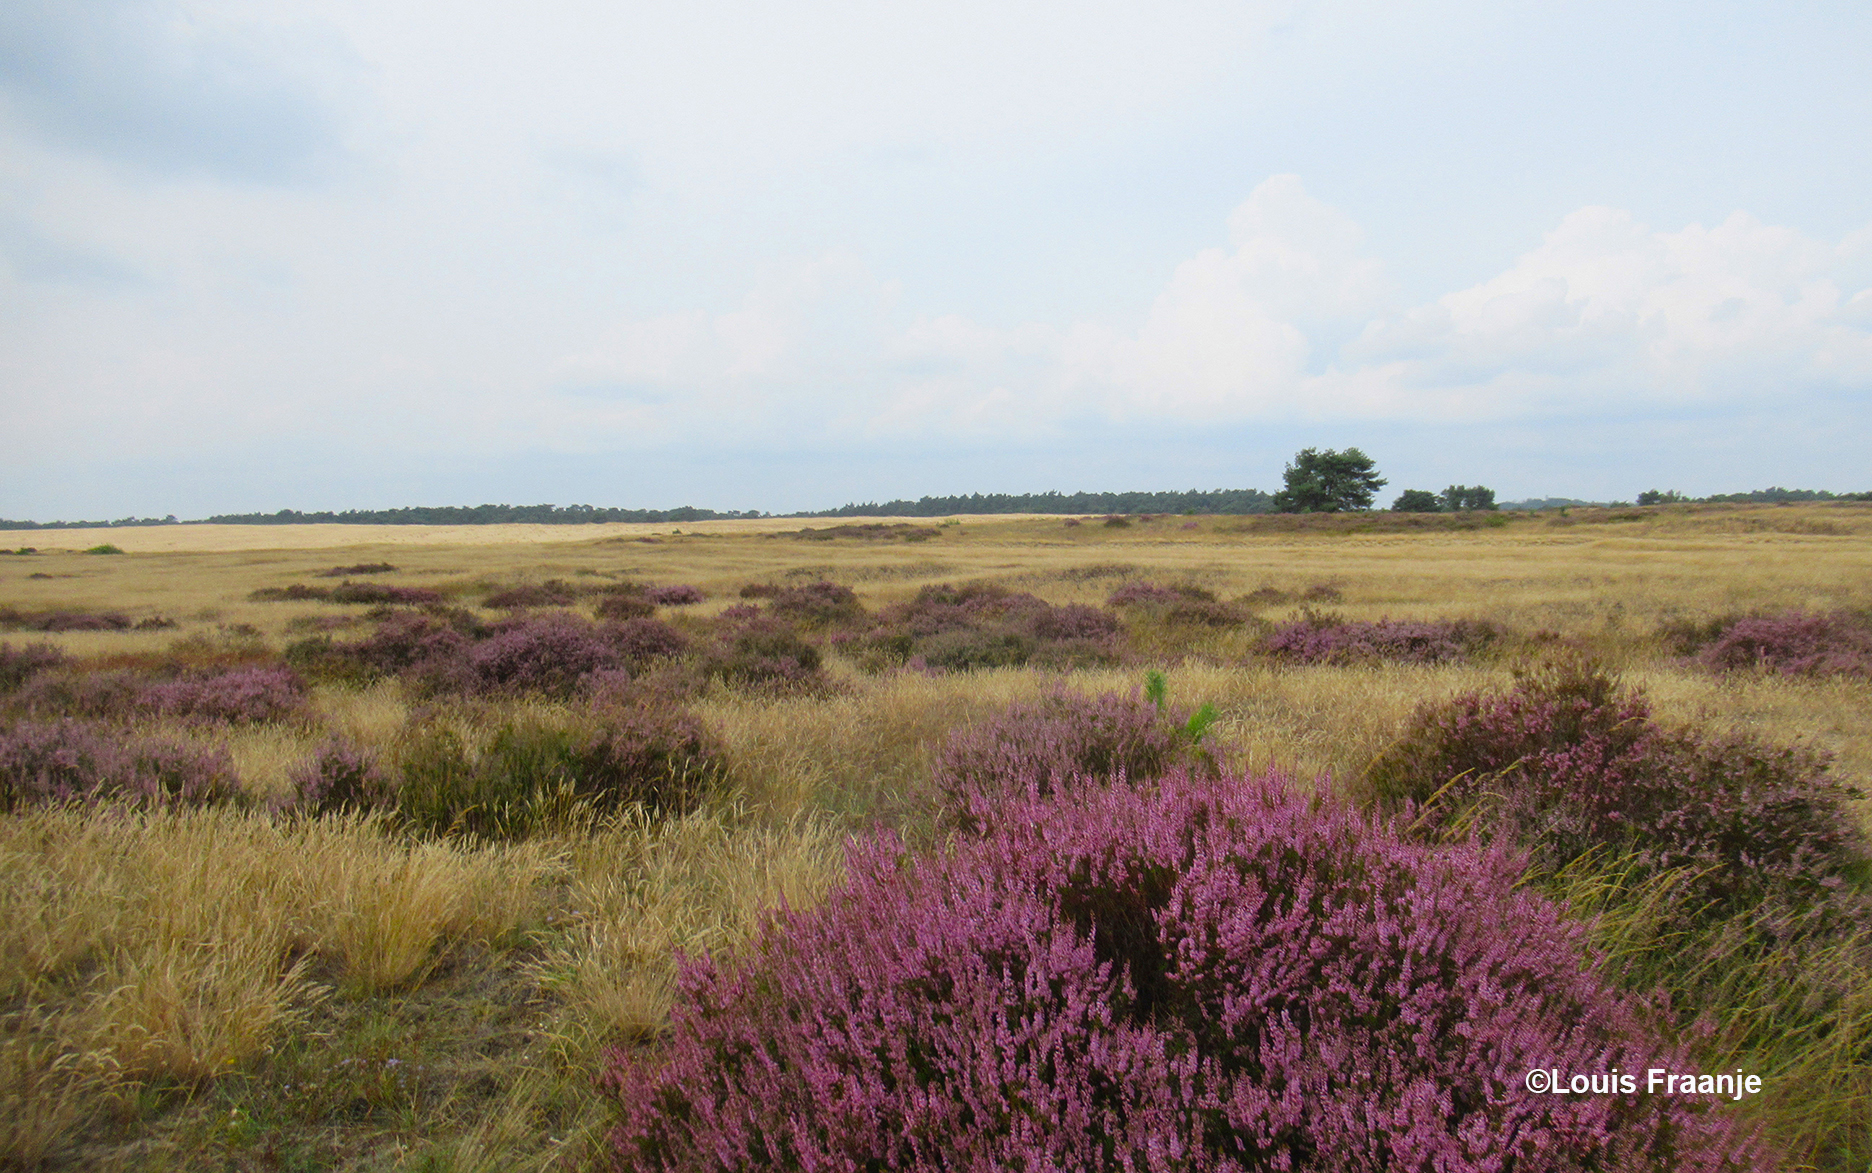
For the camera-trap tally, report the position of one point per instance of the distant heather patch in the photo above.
(1325, 639)
(1793, 643)
(681, 595)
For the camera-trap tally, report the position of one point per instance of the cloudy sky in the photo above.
(317, 254)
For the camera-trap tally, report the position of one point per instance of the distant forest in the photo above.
(1226, 501)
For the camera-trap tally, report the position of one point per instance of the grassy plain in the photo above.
(221, 989)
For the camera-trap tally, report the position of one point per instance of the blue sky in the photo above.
(336, 254)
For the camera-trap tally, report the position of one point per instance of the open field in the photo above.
(254, 985)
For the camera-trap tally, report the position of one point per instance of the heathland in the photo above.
(380, 847)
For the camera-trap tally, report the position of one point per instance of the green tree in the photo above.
(1417, 501)
(1458, 498)
(1328, 482)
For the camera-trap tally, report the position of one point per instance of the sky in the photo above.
(332, 254)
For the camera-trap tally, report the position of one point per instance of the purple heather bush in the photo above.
(540, 653)
(763, 651)
(642, 642)
(21, 664)
(70, 761)
(680, 595)
(983, 625)
(1568, 763)
(1326, 639)
(1219, 974)
(1795, 643)
(342, 776)
(109, 695)
(625, 605)
(377, 592)
(1058, 738)
(817, 604)
(247, 695)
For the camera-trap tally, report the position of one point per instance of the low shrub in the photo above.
(1219, 974)
(1795, 643)
(109, 695)
(817, 604)
(70, 761)
(1057, 738)
(383, 593)
(1326, 639)
(761, 651)
(533, 772)
(85, 621)
(341, 777)
(625, 607)
(297, 592)
(642, 642)
(542, 653)
(21, 664)
(681, 595)
(1570, 764)
(760, 590)
(106, 548)
(360, 568)
(982, 625)
(247, 695)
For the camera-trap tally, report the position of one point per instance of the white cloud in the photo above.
(1293, 320)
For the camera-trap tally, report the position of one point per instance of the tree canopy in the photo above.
(1328, 482)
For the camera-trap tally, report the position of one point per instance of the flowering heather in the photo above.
(764, 652)
(18, 665)
(68, 761)
(643, 641)
(1796, 643)
(632, 604)
(243, 695)
(1057, 738)
(377, 592)
(680, 595)
(410, 639)
(981, 625)
(817, 604)
(542, 653)
(1223, 974)
(96, 695)
(1324, 639)
(341, 776)
(1568, 763)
